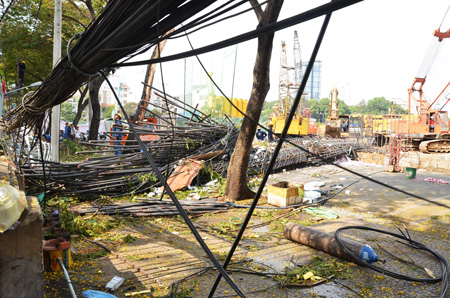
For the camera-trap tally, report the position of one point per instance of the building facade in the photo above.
(314, 84)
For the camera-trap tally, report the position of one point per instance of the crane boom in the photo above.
(421, 102)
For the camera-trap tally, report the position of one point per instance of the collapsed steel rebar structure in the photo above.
(129, 173)
(126, 27)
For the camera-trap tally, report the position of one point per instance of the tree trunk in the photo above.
(82, 104)
(237, 188)
(94, 87)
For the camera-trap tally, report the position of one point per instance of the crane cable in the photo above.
(444, 16)
(432, 52)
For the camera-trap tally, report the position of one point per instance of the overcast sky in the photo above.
(371, 49)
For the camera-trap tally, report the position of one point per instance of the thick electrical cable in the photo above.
(160, 176)
(44, 200)
(309, 152)
(176, 33)
(216, 22)
(267, 29)
(276, 151)
(166, 103)
(120, 23)
(414, 244)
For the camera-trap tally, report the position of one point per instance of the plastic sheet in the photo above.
(11, 206)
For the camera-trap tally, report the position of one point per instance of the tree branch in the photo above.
(73, 19)
(78, 8)
(89, 6)
(34, 75)
(257, 9)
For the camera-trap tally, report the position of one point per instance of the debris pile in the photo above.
(129, 173)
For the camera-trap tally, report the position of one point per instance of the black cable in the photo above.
(342, 189)
(413, 244)
(165, 100)
(173, 35)
(270, 28)
(172, 196)
(277, 148)
(44, 199)
(174, 285)
(217, 21)
(259, 125)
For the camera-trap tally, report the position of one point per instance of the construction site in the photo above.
(204, 193)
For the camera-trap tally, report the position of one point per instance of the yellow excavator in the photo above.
(333, 122)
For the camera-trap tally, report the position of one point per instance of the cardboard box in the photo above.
(284, 194)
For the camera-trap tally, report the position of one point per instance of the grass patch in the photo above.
(129, 238)
(135, 258)
(224, 227)
(322, 267)
(87, 225)
(91, 255)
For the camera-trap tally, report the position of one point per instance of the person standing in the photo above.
(270, 133)
(21, 67)
(77, 133)
(67, 131)
(72, 132)
(115, 128)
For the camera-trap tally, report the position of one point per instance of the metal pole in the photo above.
(56, 110)
(66, 274)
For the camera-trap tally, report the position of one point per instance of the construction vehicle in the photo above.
(287, 91)
(430, 131)
(333, 122)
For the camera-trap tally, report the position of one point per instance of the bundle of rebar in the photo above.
(315, 150)
(121, 29)
(153, 207)
(128, 173)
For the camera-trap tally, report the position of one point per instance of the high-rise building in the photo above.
(313, 86)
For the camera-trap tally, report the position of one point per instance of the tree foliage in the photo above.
(267, 110)
(107, 111)
(27, 34)
(377, 106)
(68, 112)
(130, 107)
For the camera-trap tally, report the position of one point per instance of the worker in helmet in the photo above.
(117, 127)
(261, 135)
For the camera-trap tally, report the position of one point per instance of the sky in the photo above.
(371, 49)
